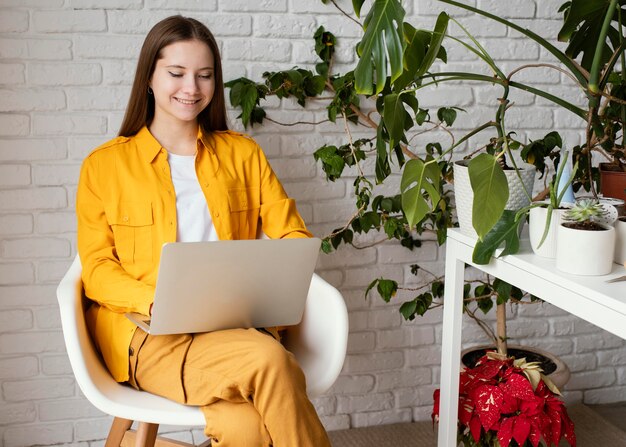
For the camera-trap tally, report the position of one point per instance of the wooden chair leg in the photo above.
(146, 434)
(118, 430)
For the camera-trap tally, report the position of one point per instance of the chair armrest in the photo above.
(319, 342)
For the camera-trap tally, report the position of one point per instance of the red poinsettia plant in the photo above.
(504, 402)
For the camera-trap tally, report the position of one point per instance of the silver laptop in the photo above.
(210, 286)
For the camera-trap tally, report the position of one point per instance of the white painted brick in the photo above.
(355, 299)
(445, 95)
(26, 100)
(39, 434)
(304, 53)
(359, 341)
(394, 253)
(362, 277)
(572, 327)
(376, 361)
(14, 175)
(338, 422)
(114, 124)
(424, 356)
(599, 378)
(14, 125)
(15, 320)
(35, 248)
(27, 390)
(30, 150)
(192, 5)
(56, 175)
(55, 223)
(31, 342)
(412, 377)
(605, 395)
(13, 414)
(369, 402)
(79, 147)
(55, 365)
(324, 406)
(11, 224)
(105, 4)
(118, 72)
(293, 168)
(20, 296)
(69, 21)
(302, 144)
(612, 357)
(353, 384)
(548, 9)
(107, 46)
(92, 429)
(26, 49)
(258, 6)
(509, 9)
(116, 98)
(339, 212)
(13, 21)
(47, 272)
(29, 199)
(267, 25)
(527, 328)
(314, 190)
(64, 74)
(69, 124)
(224, 25)
(48, 318)
(16, 273)
(18, 368)
(580, 362)
(600, 340)
(381, 418)
(11, 74)
(299, 7)
(347, 256)
(257, 50)
(134, 22)
(67, 409)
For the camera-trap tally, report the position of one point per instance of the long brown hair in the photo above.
(140, 110)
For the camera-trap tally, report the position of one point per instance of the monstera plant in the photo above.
(396, 63)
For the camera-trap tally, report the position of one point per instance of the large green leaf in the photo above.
(420, 189)
(436, 38)
(582, 29)
(491, 192)
(394, 116)
(506, 231)
(381, 46)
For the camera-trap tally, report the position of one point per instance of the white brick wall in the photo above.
(65, 72)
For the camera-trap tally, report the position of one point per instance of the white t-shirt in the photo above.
(194, 220)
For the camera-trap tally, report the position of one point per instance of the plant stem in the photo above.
(501, 329)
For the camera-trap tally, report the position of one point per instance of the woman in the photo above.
(176, 173)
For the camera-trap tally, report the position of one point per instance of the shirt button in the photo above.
(217, 214)
(131, 351)
(125, 218)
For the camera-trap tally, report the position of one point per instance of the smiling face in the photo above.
(182, 82)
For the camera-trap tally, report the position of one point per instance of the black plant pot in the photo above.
(552, 366)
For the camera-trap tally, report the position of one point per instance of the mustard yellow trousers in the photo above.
(250, 388)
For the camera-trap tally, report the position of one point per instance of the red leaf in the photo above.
(568, 434)
(474, 426)
(466, 409)
(521, 429)
(435, 414)
(520, 387)
(506, 432)
(555, 426)
(510, 404)
(488, 400)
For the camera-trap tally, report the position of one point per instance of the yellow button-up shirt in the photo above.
(126, 209)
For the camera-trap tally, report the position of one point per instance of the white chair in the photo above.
(318, 342)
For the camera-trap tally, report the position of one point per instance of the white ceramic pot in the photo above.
(537, 220)
(464, 196)
(582, 252)
(620, 241)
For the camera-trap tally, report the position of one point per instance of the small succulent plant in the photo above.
(585, 210)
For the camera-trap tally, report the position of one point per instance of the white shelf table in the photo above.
(588, 297)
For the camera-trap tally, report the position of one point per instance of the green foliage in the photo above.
(491, 192)
(334, 158)
(585, 210)
(538, 151)
(382, 45)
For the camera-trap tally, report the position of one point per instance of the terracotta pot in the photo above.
(612, 183)
(555, 368)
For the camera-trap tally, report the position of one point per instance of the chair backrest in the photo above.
(319, 343)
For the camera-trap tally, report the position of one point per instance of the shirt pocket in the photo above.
(132, 224)
(244, 204)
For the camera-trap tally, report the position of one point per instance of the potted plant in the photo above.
(505, 402)
(585, 241)
(545, 216)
